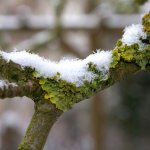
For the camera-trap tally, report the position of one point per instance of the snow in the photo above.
(133, 34)
(101, 58)
(74, 71)
(6, 84)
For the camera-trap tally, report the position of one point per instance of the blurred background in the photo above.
(114, 119)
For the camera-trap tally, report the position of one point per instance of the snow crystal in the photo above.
(133, 34)
(5, 84)
(74, 71)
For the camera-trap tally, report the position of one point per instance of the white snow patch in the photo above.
(74, 71)
(6, 84)
(133, 34)
(101, 58)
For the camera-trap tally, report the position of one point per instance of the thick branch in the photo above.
(44, 117)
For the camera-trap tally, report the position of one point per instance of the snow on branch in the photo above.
(6, 84)
(133, 35)
(74, 71)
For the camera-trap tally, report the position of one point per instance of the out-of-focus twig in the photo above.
(68, 22)
(4, 41)
(69, 48)
(36, 42)
(44, 38)
(58, 30)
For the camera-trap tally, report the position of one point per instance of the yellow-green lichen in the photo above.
(64, 94)
(132, 54)
(146, 23)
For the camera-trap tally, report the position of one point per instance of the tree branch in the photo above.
(9, 90)
(27, 85)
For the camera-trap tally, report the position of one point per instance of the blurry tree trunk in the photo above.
(97, 117)
(10, 138)
(97, 107)
(97, 121)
